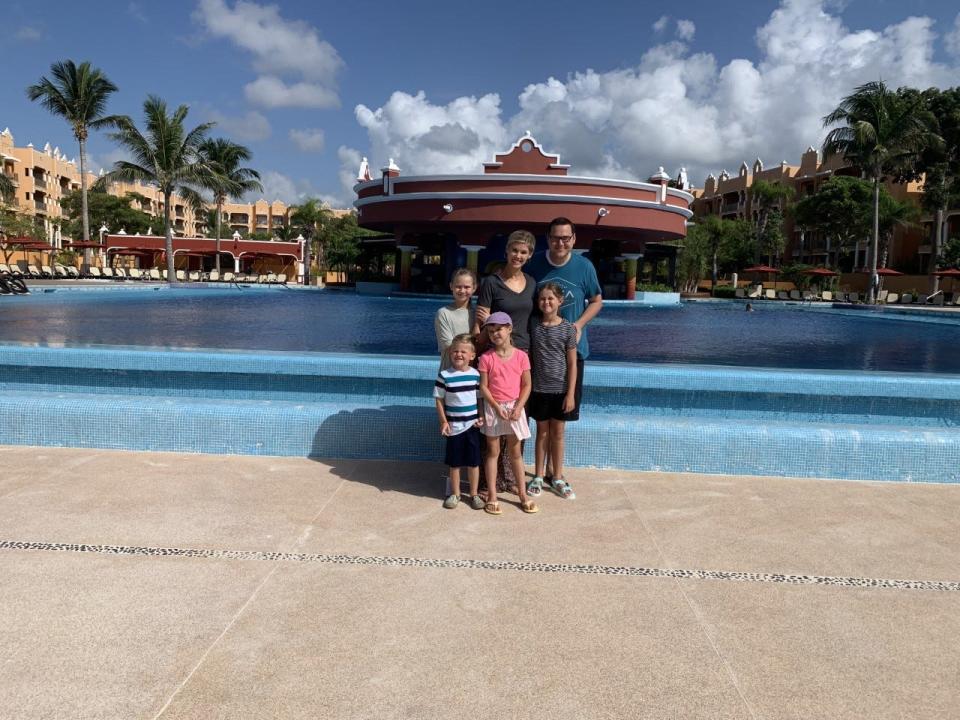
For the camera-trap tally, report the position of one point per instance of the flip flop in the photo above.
(529, 507)
(493, 508)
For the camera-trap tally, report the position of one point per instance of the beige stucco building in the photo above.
(42, 179)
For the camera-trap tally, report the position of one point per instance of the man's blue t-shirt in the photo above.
(578, 278)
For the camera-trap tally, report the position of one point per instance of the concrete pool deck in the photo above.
(161, 585)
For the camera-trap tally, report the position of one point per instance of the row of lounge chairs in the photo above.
(67, 272)
(885, 297)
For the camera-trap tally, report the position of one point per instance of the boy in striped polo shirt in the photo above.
(455, 394)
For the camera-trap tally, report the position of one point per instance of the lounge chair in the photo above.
(271, 278)
(740, 293)
(755, 292)
(194, 276)
(135, 274)
(920, 300)
(770, 294)
(33, 272)
(282, 278)
(107, 272)
(229, 276)
(73, 272)
(213, 276)
(826, 296)
(809, 296)
(60, 271)
(936, 298)
(10, 270)
(795, 295)
(882, 296)
(154, 274)
(181, 276)
(94, 272)
(782, 295)
(906, 299)
(853, 298)
(891, 298)
(46, 271)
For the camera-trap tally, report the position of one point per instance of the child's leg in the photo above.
(540, 449)
(490, 466)
(515, 456)
(454, 488)
(557, 428)
(473, 477)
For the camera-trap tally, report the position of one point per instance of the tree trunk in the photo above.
(935, 255)
(171, 271)
(713, 275)
(875, 243)
(219, 217)
(87, 252)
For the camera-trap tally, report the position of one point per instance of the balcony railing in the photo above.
(40, 205)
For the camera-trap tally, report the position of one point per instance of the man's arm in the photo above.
(594, 305)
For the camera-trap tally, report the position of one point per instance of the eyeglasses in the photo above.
(562, 238)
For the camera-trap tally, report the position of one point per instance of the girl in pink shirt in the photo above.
(505, 385)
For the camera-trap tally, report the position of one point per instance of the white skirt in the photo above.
(495, 426)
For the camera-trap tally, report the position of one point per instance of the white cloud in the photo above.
(280, 47)
(135, 10)
(686, 29)
(951, 41)
(272, 92)
(249, 127)
(308, 139)
(277, 186)
(676, 107)
(27, 33)
(661, 24)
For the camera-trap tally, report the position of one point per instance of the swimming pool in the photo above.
(278, 319)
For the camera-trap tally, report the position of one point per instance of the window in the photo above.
(431, 260)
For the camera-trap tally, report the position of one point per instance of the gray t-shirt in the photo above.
(494, 294)
(448, 323)
(549, 354)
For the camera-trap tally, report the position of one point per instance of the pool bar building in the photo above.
(441, 222)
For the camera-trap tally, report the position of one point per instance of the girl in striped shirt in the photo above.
(553, 346)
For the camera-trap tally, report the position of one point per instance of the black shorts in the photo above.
(549, 406)
(463, 450)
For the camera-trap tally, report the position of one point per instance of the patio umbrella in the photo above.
(821, 272)
(951, 273)
(765, 269)
(883, 272)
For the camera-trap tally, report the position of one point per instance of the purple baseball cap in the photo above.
(498, 318)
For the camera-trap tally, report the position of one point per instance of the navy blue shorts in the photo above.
(463, 450)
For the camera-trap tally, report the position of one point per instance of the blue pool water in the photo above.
(776, 336)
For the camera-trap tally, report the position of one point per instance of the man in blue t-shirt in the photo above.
(578, 278)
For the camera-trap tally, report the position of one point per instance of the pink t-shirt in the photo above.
(503, 374)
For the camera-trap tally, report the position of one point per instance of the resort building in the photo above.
(730, 196)
(44, 177)
(437, 223)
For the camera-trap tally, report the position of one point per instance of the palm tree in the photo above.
(311, 218)
(881, 134)
(7, 188)
(78, 94)
(231, 180)
(168, 156)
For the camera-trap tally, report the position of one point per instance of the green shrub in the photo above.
(654, 287)
(724, 291)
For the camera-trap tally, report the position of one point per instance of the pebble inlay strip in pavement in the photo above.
(531, 567)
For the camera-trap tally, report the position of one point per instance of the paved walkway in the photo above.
(150, 585)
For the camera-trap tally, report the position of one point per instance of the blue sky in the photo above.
(617, 88)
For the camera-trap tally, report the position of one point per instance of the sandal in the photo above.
(451, 502)
(562, 488)
(476, 502)
(535, 486)
(493, 508)
(529, 507)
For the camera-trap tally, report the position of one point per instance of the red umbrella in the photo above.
(766, 269)
(820, 272)
(951, 273)
(885, 271)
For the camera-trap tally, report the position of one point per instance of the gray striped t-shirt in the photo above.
(548, 354)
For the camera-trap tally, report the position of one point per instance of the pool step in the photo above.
(409, 431)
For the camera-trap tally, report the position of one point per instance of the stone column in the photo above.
(406, 254)
(631, 273)
(473, 253)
